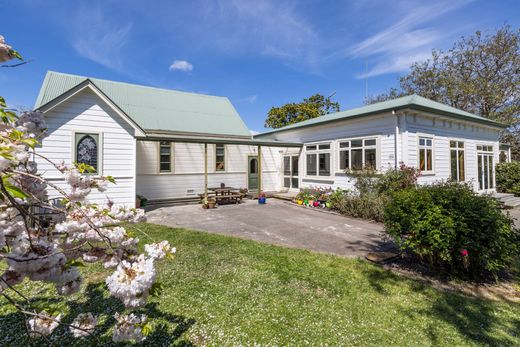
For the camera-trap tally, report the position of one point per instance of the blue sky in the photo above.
(258, 53)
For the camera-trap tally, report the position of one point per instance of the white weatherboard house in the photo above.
(165, 144)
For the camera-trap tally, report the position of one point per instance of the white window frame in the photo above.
(425, 147)
(487, 151)
(363, 147)
(99, 171)
(225, 158)
(463, 149)
(172, 167)
(319, 151)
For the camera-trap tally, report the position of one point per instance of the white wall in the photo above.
(187, 176)
(382, 127)
(86, 112)
(442, 131)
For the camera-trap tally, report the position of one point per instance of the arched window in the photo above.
(87, 149)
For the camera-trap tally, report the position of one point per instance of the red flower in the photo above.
(464, 252)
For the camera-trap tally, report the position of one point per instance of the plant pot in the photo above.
(311, 203)
(316, 204)
(327, 204)
(262, 200)
(299, 202)
(209, 204)
(305, 202)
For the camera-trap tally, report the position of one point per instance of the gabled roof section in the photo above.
(154, 108)
(414, 101)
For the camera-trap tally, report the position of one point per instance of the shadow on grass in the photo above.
(97, 302)
(480, 321)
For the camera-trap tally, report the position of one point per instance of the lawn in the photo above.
(227, 291)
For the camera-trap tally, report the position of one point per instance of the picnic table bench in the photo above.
(224, 195)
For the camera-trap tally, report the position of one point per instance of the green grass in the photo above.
(226, 291)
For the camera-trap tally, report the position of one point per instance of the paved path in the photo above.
(281, 223)
(515, 213)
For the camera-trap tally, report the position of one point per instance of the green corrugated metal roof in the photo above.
(155, 108)
(411, 101)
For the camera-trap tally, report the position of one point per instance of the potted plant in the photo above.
(262, 198)
(208, 203)
(140, 201)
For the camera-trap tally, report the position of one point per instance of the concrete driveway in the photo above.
(280, 223)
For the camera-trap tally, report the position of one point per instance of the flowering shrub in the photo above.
(452, 228)
(36, 250)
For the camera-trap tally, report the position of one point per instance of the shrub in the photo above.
(397, 179)
(366, 206)
(508, 177)
(453, 228)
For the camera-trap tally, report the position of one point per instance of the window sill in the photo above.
(427, 173)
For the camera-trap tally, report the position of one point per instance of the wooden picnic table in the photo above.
(225, 195)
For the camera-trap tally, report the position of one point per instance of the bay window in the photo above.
(165, 156)
(426, 154)
(318, 160)
(458, 172)
(358, 154)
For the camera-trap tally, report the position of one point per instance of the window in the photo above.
(458, 172)
(165, 156)
(358, 154)
(426, 154)
(318, 160)
(87, 150)
(220, 157)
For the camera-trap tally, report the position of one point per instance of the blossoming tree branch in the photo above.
(36, 250)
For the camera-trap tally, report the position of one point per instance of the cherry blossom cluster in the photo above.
(35, 249)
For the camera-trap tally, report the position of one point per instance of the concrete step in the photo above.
(512, 203)
(503, 195)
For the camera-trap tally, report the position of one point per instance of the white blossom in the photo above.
(159, 250)
(86, 322)
(129, 328)
(43, 324)
(5, 50)
(132, 281)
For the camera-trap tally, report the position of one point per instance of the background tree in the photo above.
(479, 74)
(312, 107)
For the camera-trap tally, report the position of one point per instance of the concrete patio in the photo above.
(280, 223)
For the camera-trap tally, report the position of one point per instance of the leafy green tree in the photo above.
(479, 74)
(312, 107)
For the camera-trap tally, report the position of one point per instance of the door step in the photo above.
(507, 200)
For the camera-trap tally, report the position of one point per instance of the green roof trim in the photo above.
(406, 102)
(154, 108)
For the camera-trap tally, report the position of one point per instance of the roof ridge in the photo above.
(93, 79)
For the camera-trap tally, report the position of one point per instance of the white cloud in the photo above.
(396, 47)
(181, 65)
(250, 99)
(98, 38)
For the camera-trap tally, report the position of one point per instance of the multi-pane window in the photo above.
(87, 149)
(220, 157)
(165, 156)
(318, 160)
(425, 154)
(458, 170)
(358, 154)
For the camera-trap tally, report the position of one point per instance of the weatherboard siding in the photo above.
(86, 112)
(381, 127)
(187, 176)
(443, 131)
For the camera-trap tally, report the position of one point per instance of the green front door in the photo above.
(252, 173)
